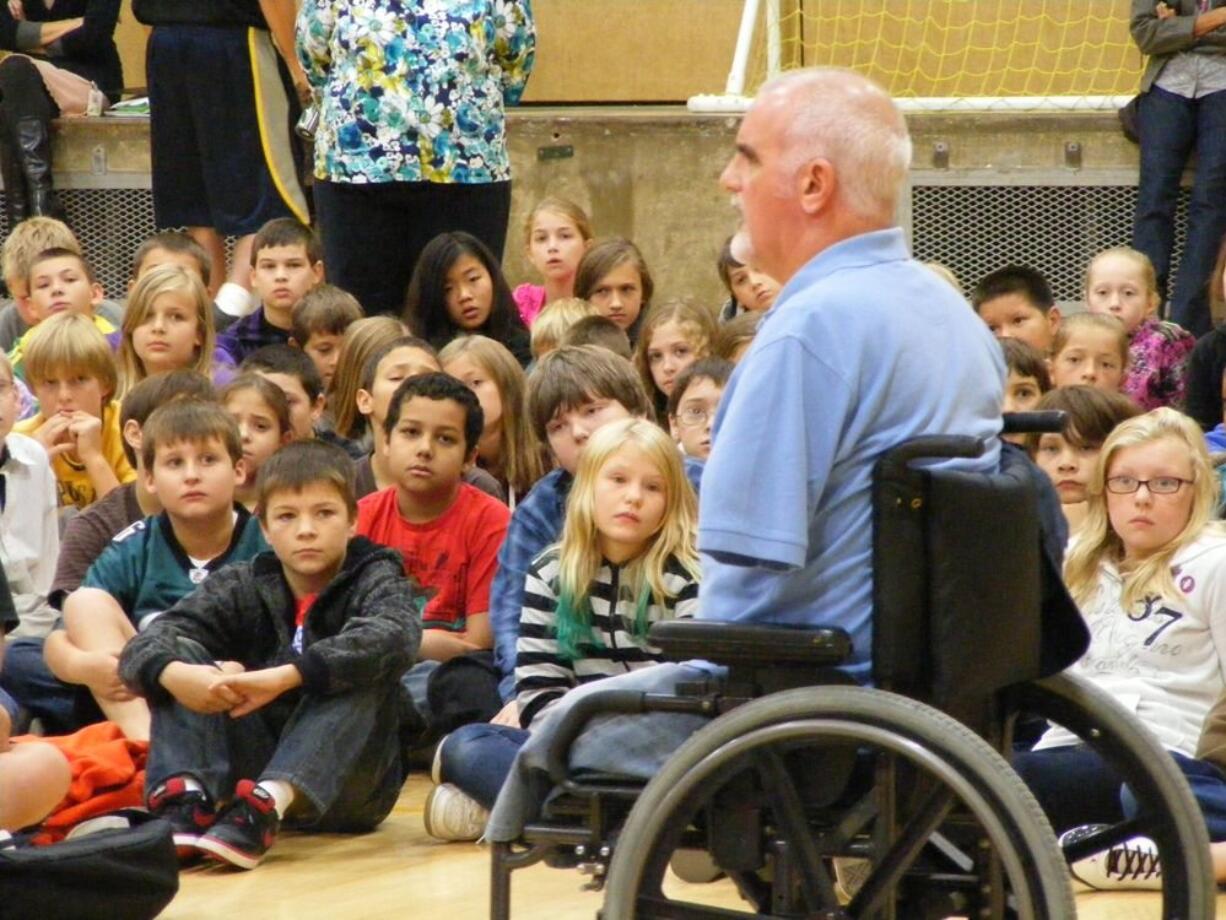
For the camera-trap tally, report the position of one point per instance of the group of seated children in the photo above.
(194, 514)
(313, 528)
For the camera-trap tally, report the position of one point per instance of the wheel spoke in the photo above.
(903, 852)
(789, 814)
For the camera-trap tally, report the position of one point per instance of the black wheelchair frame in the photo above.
(962, 645)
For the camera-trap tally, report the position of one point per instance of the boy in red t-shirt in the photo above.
(448, 531)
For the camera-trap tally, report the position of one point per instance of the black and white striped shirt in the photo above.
(542, 674)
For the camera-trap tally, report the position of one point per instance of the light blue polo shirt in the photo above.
(864, 349)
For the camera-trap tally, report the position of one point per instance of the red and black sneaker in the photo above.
(189, 811)
(245, 829)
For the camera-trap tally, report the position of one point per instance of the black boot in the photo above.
(16, 207)
(34, 145)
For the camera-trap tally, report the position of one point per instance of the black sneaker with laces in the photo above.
(190, 812)
(245, 829)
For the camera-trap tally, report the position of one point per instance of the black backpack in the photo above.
(130, 873)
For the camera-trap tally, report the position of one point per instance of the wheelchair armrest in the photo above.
(741, 644)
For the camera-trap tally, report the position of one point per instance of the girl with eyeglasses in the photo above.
(1148, 570)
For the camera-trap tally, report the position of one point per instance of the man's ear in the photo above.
(817, 182)
(149, 485)
(317, 408)
(673, 429)
(318, 271)
(471, 460)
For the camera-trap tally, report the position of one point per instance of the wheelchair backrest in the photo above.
(957, 580)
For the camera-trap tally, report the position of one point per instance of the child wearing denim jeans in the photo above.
(272, 660)
(626, 559)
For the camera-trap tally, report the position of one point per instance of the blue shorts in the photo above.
(221, 130)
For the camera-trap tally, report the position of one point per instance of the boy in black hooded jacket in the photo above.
(279, 678)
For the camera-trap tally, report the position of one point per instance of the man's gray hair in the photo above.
(849, 120)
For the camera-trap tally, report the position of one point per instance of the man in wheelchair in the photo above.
(805, 502)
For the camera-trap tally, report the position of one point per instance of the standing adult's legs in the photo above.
(1206, 217)
(26, 111)
(1167, 127)
(365, 231)
(483, 210)
(373, 234)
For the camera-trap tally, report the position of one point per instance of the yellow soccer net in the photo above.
(947, 53)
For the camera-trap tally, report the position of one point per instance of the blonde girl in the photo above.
(507, 448)
(362, 339)
(262, 413)
(1090, 349)
(1148, 570)
(626, 559)
(557, 233)
(613, 277)
(674, 335)
(167, 326)
(1121, 282)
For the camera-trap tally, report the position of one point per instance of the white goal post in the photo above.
(767, 16)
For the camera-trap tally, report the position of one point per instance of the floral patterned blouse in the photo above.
(1157, 364)
(413, 90)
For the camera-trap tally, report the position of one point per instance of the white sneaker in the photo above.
(436, 764)
(1131, 865)
(449, 814)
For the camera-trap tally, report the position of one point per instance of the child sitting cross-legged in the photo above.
(1148, 571)
(63, 708)
(193, 463)
(447, 531)
(299, 720)
(626, 559)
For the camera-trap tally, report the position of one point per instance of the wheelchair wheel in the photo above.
(1168, 814)
(947, 827)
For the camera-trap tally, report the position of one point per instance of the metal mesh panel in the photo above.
(1055, 229)
(110, 224)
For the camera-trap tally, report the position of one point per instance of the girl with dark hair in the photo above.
(458, 289)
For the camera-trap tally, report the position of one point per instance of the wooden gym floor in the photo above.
(399, 872)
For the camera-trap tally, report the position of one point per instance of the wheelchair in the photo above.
(904, 785)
